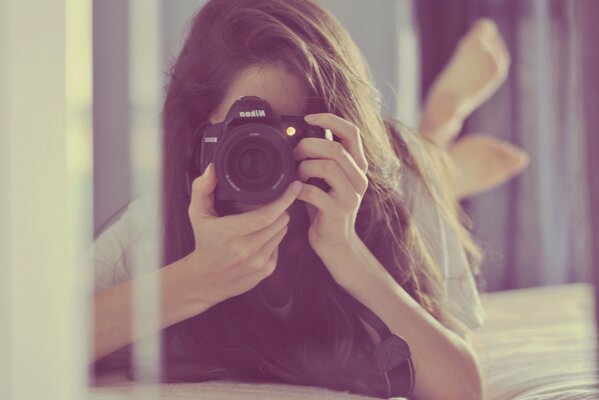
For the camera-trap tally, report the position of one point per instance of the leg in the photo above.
(484, 163)
(475, 71)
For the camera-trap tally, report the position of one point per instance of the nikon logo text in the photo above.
(253, 113)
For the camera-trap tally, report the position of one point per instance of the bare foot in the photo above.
(484, 162)
(477, 68)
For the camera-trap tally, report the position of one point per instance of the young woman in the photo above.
(273, 279)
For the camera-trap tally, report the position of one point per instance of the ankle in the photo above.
(442, 118)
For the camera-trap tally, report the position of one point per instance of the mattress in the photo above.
(539, 343)
(536, 343)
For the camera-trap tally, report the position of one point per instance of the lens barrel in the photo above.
(254, 163)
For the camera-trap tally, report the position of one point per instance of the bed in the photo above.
(536, 343)
(540, 343)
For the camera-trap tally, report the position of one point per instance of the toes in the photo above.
(486, 26)
(483, 28)
(513, 158)
(502, 49)
(510, 156)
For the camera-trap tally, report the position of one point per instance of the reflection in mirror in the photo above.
(481, 111)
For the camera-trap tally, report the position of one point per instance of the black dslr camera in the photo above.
(252, 151)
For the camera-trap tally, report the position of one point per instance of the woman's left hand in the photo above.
(343, 166)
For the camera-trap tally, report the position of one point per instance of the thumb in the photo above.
(202, 196)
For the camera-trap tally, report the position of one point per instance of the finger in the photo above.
(202, 193)
(254, 220)
(256, 239)
(318, 198)
(270, 249)
(325, 149)
(271, 264)
(329, 170)
(348, 133)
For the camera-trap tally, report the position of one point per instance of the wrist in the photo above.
(179, 282)
(353, 261)
(338, 252)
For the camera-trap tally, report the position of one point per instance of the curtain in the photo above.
(534, 230)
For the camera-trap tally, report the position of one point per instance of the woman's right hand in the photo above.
(234, 253)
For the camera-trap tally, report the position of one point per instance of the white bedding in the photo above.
(536, 343)
(539, 343)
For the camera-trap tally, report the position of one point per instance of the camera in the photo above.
(252, 151)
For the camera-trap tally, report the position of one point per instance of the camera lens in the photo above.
(253, 164)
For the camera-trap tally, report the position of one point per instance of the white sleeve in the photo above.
(112, 252)
(449, 255)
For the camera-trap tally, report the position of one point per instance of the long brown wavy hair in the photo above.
(323, 343)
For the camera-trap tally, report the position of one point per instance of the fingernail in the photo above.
(311, 117)
(296, 187)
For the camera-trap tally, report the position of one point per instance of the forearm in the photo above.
(445, 365)
(113, 324)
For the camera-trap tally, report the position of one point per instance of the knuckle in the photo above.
(254, 265)
(337, 148)
(329, 166)
(309, 191)
(299, 147)
(357, 199)
(301, 169)
(285, 217)
(266, 218)
(269, 267)
(263, 263)
(239, 253)
(364, 184)
(196, 185)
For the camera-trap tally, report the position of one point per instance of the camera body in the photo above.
(252, 151)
